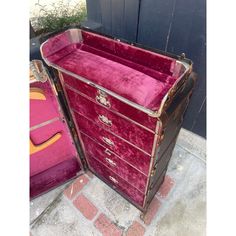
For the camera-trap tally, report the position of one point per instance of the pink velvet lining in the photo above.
(123, 149)
(116, 105)
(117, 182)
(53, 177)
(116, 66)
(116, 77)
(113, 162)
(43, 110)
(61, 150)
(120, 126)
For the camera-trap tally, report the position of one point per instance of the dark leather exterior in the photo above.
(132, 153)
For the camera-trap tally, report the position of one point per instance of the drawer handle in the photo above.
(108, 141)
(107, 151)
(102, 99)
(103, 119)
(113, 180)
(109, 161)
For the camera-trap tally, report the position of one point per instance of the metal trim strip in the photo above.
(45, 123)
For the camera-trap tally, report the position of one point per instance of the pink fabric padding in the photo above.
(116, 77)
(61, 150)
(43, 110)
(53, 177)
(116, 66)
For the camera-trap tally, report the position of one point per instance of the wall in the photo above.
(175, 26)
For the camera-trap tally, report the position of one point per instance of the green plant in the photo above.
(58, 15)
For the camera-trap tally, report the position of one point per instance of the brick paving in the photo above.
(89, 205)
(86, 207)
(76, 186)
(106, 226)
(136, 229)
(165, 187)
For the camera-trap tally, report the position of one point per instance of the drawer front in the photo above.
(117, 183)
(135, 134)
(123, 149)
(110, 102)
(117, 165)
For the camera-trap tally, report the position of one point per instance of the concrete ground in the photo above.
(86, 206)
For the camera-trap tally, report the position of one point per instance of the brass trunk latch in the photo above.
(102, 99)
(113, 179)
(108, 141)
(111, 162)
(105, 120)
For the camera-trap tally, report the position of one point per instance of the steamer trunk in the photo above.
(127, 103)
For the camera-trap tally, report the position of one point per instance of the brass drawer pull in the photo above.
(108, 141)
(109, 161)
(107, 151)
(102, 99)
(103, 119)
(113, 180)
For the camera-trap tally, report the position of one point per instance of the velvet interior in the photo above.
(123, 149)
(141, 76)
(117, 182)
(116, 77)
(43, 110)
(120, 126)
(116, 105)
(140, 58)
(113, 162)
(53, 177)
(59, 151)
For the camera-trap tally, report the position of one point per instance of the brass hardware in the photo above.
(182, 56)
(102, 99)
(151, 186)
(113, 180)
(153, 172)
(107, 151)
(58, 87)
(142, 215)
(38, 71)
(109, 161)
(108, 141)
(105, 120)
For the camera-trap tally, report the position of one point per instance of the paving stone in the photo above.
(182, 211)
(114, 206)
(90, 174)
(76, 186)
(86, 207)
(152, 211)
(136, 229)
(39, 204)
(193, 143)
(106, 227)
(165, 187)
(64, 220)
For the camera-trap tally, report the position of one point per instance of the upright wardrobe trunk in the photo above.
(126, 105)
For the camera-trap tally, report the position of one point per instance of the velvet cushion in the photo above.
(141, 76)
(45, 109)
(53, 177)
(123, 80)
(59, 151)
